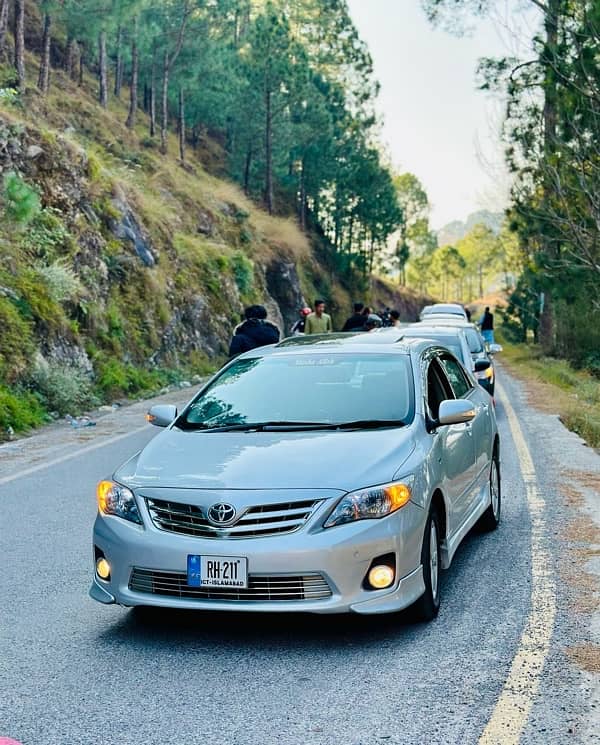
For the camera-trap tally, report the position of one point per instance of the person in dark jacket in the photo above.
(357, 320)
(254, 332)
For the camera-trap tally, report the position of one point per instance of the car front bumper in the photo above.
(341, 555)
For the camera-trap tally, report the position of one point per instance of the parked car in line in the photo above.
(464, 341)
(333, 475)
(445, 309)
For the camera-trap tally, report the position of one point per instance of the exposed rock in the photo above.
(283, 285)
(34, 151)
(127, 228)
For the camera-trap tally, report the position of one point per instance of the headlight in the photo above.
(371, 503)
(114, 499)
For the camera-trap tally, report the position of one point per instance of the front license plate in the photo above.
(217, 571)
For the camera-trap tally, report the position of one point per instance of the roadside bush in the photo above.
(19, 410)
(16, 341)
(115, 378)
(63, 388)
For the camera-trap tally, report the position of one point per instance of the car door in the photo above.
(453, 447)
(463, 387)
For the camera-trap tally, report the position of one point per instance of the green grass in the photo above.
(573, 394)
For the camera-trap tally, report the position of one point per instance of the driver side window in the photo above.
(438, 389)
(456, 376)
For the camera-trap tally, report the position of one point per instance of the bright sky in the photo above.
(436, 123)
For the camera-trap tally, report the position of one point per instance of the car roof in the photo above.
(426, 329)
(441, 320)
(381, 340)
(448, 308)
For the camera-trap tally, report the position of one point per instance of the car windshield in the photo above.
(451, 343)
(306, 389)
(474, 341)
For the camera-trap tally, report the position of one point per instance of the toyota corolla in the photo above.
(323, 474)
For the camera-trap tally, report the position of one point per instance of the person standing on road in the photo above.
(298, 327)
(395, 319)
(254, 332)
(318, 322)
(356, 321)
(486, 323)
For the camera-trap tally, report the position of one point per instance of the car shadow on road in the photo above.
(240, 629)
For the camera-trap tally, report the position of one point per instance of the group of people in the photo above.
(256, 331)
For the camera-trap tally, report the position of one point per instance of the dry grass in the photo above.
(586, 657)
(554, 387)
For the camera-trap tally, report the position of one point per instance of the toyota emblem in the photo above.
(221, 513)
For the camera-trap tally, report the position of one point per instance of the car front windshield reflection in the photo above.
(306, 389)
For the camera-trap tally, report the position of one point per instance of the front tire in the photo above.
(491, 517)
(427, 606)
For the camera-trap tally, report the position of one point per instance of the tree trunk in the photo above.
(247, 166)
(44, 76)
(20, 42)
(153, 93)
(164, 119)
(3, 28)
(103, 73)
(269, 199)
(134, 78)
(302, 198)
(549, 55)
(119, 64)
(181, 126)
(81, 48)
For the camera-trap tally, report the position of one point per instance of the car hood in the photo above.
(269, 460)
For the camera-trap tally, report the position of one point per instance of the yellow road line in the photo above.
(513, 707)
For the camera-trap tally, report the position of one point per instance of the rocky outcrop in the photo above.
(283, 284)
(126, 228)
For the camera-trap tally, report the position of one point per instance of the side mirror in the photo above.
(481, 365)
(495, 348)
(161, 415)
(456, 411)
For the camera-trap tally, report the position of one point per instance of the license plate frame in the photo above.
(217, 571)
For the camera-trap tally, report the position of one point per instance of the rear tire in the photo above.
(491, 517)
(427, 606)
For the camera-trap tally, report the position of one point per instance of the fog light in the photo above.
(103, 568)
(381, 576)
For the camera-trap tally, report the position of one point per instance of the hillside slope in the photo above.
(134, 268)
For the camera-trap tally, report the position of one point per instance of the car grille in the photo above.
(260, 587)
(262, 520)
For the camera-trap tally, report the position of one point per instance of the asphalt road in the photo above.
(73, 671)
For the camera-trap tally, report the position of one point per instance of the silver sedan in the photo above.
(327, 475)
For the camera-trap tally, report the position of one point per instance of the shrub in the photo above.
(64, 388)
(16, 341)
(46, 236)
(243, 272)
(19, 410)
(62, 282)
(21, 201)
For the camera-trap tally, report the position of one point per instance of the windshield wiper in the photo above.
(371, 424)
(259, 426)
(291, 426)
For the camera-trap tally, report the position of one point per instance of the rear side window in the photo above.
(474, 341)
(454, 372)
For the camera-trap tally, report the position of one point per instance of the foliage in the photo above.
(46, 236)
(21, 202)
(552, 131)
(19, 410)
(63, 388)
(16, 341)
(243, 272)
(62, 282)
